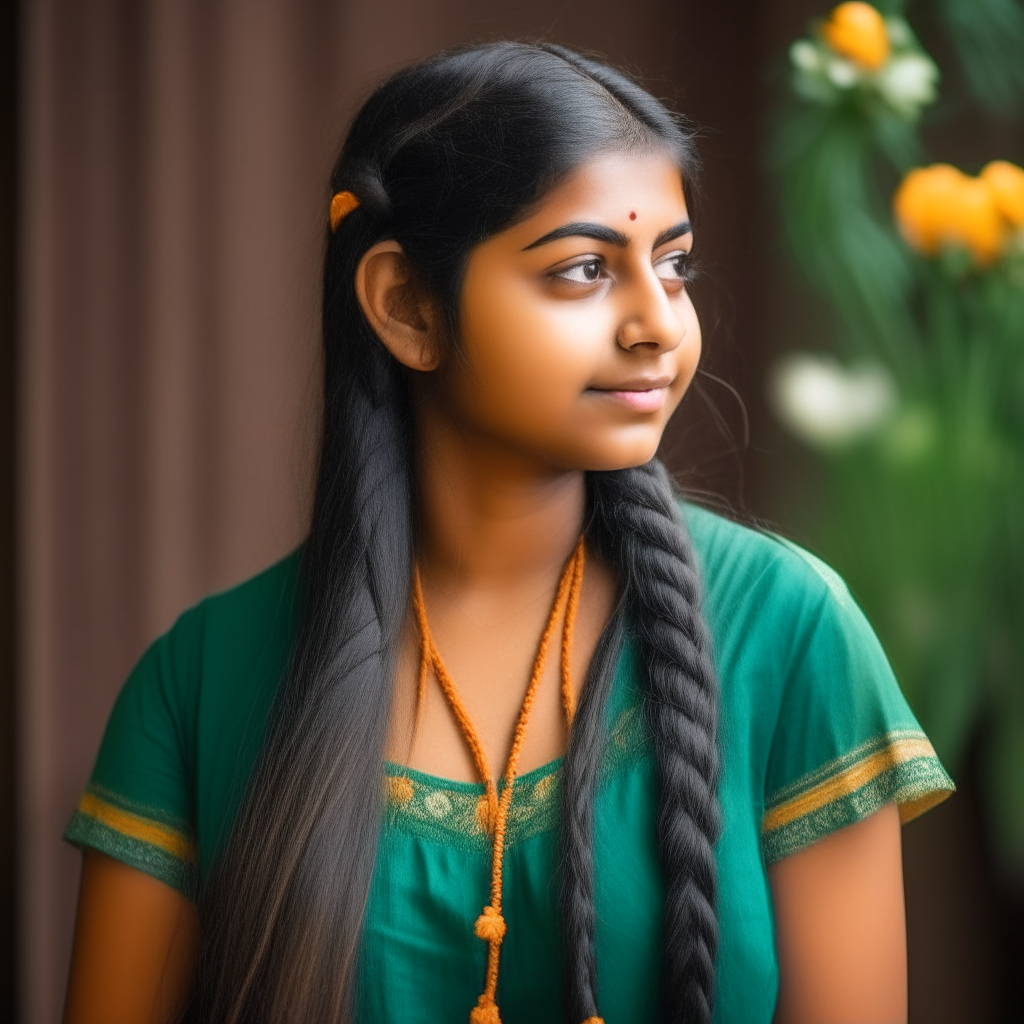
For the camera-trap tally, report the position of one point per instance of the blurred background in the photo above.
(163, 191)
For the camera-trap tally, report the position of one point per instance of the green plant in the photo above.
(920, 425)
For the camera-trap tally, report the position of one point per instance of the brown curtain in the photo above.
(174, 167)
(174, 164)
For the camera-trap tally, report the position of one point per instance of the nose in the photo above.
(649, 319)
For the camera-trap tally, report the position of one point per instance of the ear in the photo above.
(398, 308)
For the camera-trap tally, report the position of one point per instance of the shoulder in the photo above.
(763, 587)
(809, 701)
(230, 642)
(728, 549)
(795, 653)
(251, 605)
(191, 711)
(230, 627)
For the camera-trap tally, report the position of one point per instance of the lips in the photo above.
(644, 395)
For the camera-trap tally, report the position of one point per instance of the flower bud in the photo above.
(1006, 181)
(922, 204)
(857, 31)
(941, 206)
(975, 222)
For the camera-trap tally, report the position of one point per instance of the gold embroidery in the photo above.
(437, 804)
(915, 808)
(542, 791)
(399, 789)
(898, 751)
(452, 812)
(132, 825)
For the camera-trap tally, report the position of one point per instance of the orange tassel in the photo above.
(490, 926)
(594, 1020)
(485, 1012)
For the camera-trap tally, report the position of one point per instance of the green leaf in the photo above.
(836, 215)
(988, 36)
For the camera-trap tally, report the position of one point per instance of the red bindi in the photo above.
(632, 215)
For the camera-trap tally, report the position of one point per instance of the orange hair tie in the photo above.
(342, 205)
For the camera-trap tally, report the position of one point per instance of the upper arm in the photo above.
(135, 947)
(847, 762)
(136, 928)
(840, 930)
(139, 804)
(844, 742)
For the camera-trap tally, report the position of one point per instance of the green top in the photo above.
(814, 735)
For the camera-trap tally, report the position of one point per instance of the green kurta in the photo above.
(814, 735)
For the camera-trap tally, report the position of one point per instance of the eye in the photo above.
(585, 272)
(674, 267)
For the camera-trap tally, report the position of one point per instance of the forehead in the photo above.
(613, 185)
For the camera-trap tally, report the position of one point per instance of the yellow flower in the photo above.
(975, 221)
(1006, 181)
(941, 206)
(857, 31)
(922, 204)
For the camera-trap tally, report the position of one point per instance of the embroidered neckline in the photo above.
(453, 813)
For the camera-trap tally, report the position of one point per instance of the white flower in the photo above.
(805, 56)
(810, 76)
(829, 406)
(843, 74)
(905, 83)
(908, 82)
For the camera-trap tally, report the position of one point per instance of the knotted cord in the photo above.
(490, 925)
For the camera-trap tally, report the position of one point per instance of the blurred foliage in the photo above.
(988, 37)
(925, 508)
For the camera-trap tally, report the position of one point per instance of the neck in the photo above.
(488, 516)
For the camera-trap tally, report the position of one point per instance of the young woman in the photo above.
(481, 749)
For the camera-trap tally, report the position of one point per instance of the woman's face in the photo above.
(578, 336)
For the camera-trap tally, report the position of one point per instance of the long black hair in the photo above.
(443, 155)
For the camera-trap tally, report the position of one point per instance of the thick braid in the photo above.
(663, 590)
(635, 525)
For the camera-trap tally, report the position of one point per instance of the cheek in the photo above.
(688, 353)
(528, 355)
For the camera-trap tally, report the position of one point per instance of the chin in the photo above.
(624, 455)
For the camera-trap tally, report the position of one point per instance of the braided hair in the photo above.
(636, 525)
(445, 154)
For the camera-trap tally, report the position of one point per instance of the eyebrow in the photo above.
(684, 227)
(603, 233)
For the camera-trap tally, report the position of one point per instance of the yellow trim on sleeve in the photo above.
(859, 774)
(915, 808)
(143, 829)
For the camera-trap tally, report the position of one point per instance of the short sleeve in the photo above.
(138, 806)
(845, 740)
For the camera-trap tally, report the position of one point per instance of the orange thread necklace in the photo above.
(490, 925)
